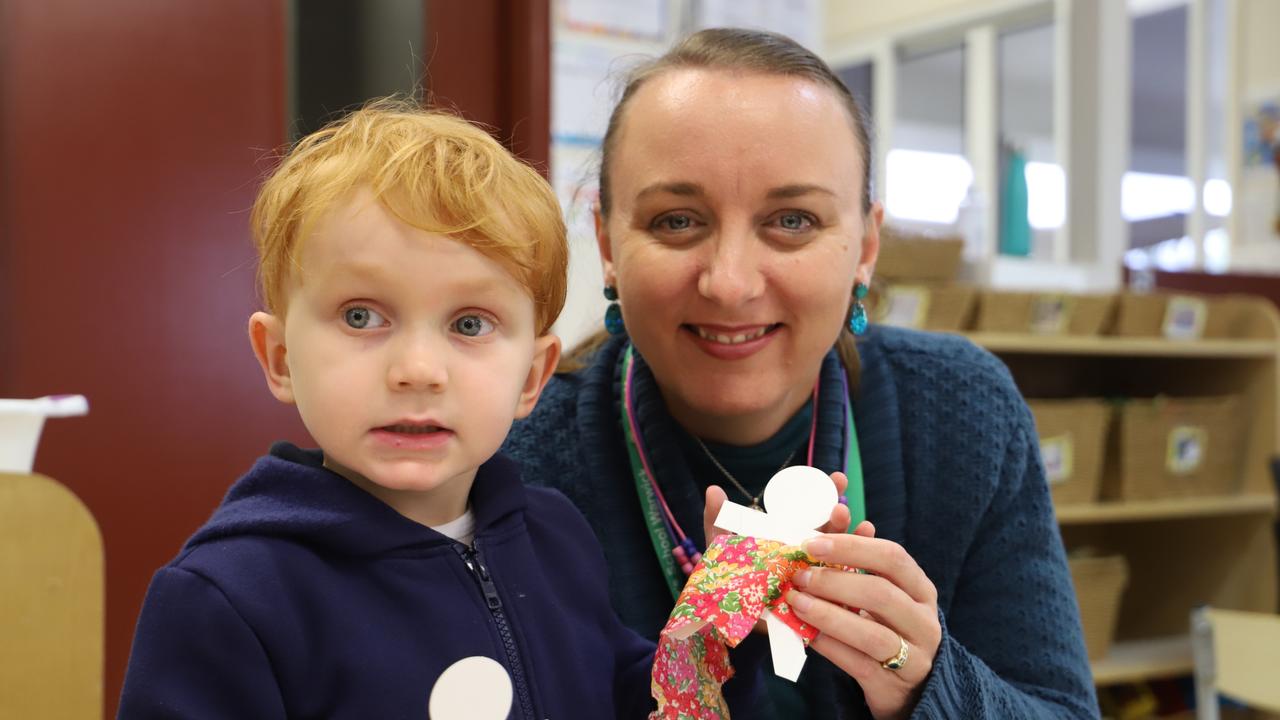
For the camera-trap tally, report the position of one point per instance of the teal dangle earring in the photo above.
(858, 318)
(613, 314)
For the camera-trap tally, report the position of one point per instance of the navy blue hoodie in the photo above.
(306, 597)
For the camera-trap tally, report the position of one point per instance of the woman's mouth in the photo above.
(736, 336)
(732, 342)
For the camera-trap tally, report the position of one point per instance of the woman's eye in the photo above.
(795, 221)
(473, 325)
(362, 317)
(673, 223)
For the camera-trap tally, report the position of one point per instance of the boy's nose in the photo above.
(417, 366)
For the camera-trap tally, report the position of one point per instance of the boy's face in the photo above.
(408, 355)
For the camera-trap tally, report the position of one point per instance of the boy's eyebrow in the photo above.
(378, 274)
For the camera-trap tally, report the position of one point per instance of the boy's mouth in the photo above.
(406, 429)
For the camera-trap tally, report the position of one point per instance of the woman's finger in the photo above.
(862, 634)
(715, 500)
(882, 557)
(887, 603)
(888, 693)
(841, 480)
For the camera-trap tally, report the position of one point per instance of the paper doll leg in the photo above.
(786, 647)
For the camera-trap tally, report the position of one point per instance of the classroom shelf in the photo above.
(1025, 344)
(1136, 511)
(1139, 660)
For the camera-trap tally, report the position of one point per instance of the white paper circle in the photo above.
(800, 496)
(474, 688)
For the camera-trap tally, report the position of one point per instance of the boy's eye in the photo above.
(362, 317)
(473, 325)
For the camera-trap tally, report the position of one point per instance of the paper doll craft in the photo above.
(742, 578)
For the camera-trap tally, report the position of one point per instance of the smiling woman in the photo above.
(737, 234)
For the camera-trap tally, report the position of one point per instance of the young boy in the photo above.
(411, 269)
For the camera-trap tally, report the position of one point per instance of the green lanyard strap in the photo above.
(662, 526)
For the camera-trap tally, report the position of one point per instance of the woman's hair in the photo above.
(735, 49)
(431, 170)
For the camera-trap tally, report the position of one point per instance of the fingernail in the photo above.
(799, 601)
(801, 579)
(817, 547)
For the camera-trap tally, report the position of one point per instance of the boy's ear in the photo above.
(602, 241)
(546, 354)
(266, 335)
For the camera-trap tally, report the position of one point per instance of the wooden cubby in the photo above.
(1182, 552)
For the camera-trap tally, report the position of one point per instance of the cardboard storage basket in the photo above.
(1190, 316)
(1178, 447)
(1073, 436)
(1099, 584)
(1044, 313)
(924, 306)
(918, 258)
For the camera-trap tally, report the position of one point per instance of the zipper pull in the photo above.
(481, 573)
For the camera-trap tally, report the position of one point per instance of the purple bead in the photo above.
(844, 500)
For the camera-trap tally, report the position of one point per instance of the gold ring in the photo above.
(897, 661)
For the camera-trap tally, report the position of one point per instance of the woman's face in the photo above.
(734, 238)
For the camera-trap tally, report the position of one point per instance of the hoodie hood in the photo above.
(289, 494)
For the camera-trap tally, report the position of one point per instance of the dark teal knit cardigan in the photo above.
(952, 472)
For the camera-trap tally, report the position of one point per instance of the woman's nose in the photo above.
(417, 364)
(731, 274)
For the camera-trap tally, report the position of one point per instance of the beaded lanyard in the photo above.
(675, 549)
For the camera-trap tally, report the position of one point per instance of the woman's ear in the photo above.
(602, 241)
(266, 335)
(546, 355)
(870, 241)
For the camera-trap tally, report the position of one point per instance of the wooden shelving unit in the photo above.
(1182, 552)
(1144, 660)
(1174, 508)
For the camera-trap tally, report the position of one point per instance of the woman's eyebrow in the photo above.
(794, 191)
(672, 188)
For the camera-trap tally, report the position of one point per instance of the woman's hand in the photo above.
(899, 604)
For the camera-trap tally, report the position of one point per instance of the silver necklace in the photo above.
(755, 499)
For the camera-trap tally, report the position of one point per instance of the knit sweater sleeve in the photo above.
(1012, 644)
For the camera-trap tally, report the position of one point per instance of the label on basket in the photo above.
(1049, 314)
(1184, 318)
(907, 306)
(1058, 453)
(1187, 448)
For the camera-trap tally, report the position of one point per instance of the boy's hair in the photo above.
(433, 171)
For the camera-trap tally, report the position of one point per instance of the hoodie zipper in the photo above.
(475, 563)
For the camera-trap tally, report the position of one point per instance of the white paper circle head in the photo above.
(801, 496)
(474, 688)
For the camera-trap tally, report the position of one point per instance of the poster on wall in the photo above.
(1262, 134)
(636, 19)
(798, 19)
(1262, 155)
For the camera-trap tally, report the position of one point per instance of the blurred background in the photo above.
(1077, 146)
